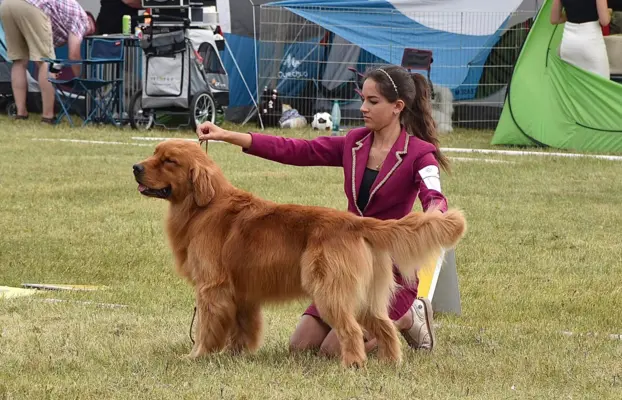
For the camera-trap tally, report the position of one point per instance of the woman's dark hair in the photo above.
(395, 82)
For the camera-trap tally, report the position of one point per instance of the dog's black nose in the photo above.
(138, 169)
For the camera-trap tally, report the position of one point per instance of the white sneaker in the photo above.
(421, 334)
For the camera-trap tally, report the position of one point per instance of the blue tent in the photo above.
(461, 34)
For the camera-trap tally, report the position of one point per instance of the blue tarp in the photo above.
(384, 31)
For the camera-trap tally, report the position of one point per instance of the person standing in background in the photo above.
(33, 28)
(111, 12)
(583, 44)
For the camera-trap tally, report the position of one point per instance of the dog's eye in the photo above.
(169, 161)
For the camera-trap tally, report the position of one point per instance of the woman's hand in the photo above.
(208, 131)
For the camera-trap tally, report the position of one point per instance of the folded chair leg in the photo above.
(103, 104)
(61, 96)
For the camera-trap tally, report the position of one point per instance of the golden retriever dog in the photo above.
(239, 251)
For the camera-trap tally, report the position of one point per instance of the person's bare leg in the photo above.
(405, 321)
(308, 335)
(19, 85)
(47, 91)
(330, 346)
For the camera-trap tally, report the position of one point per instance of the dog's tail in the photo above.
(416, 239)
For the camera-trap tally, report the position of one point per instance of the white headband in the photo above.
(391, 79)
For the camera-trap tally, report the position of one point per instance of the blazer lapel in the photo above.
(391, 163)
(360, 154)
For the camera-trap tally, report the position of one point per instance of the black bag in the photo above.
(163, 44)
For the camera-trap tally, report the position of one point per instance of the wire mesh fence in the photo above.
(311, 65)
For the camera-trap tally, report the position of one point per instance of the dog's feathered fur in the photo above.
(240, 251)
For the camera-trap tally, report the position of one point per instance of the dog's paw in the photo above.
(390, 356)
(353, 361)
(195, 353)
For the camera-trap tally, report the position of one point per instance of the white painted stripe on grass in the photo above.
(89, 141)
(161, 139)
(109, 305)
(488, 160)
(530, 153)
(460, 150)
(611, 336)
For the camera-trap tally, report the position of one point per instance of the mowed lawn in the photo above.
(540, 274)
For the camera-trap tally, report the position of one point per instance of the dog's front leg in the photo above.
(216, 315)
(247, 332)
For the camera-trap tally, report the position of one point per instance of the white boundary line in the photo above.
(445, 149)
(462, 150)
(488, 160)
(530, 153)
(164, 139)
(161, 139)
(88, 141)
(610, 336)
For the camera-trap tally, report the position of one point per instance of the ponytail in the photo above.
(395, 82)
(418, 120)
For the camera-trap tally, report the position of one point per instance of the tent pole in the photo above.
(256, 69)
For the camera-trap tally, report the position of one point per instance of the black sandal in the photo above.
(21, 116)
(51, 121)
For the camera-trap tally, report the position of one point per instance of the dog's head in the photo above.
(177, 170)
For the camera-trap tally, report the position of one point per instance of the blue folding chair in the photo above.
(101, 87)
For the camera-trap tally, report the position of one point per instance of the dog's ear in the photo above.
(203, 189)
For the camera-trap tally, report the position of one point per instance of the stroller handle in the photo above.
(167, 18)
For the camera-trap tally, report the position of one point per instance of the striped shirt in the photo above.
(66, 16)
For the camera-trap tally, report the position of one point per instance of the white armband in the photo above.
(431, 177)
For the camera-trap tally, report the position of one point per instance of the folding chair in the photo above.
(417, 59)
(101, 87)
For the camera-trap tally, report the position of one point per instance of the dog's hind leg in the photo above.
(216, 311)
(376, 318)
(335, 273)
(348, 331)
(246, 333)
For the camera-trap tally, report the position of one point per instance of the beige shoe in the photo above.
(421, 334)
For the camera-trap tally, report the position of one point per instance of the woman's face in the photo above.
(377, 111)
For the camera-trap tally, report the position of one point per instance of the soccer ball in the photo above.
(322, 121)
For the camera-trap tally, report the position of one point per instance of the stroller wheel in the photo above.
(11, 109)
(203, 109)
(140, 118)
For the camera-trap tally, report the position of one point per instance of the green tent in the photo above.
(552, 103)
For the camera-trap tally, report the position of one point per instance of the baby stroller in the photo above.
(174, 81)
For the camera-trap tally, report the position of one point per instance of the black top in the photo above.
(580, 11)
(368, 179)
(615, 5)
(110, 18)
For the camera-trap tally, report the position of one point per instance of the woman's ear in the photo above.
(399, 106)
(202, 186)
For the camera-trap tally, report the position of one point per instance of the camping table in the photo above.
(132, 59)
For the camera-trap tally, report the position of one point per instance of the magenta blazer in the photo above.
(410, 169)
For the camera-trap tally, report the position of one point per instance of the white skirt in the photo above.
(583, 46)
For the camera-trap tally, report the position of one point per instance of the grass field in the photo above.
(543, 257)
